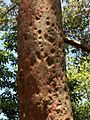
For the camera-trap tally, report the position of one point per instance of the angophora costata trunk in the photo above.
(42, 83)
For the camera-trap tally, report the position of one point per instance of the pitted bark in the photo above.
(42, 82)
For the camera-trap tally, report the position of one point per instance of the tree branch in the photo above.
(77, 44)
(7, 12)
(10, 9)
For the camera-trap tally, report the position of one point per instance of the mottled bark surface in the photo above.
(42, 83)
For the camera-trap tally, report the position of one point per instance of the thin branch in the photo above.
(8, 12)
(11, 8)
(77, 44)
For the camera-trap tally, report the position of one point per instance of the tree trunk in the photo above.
(42, 83)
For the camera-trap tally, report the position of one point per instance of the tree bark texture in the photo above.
(42, 82)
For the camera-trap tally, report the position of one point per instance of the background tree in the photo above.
(76, 26)
(8, 61)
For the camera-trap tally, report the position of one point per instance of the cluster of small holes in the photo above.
(49, 36)
(51, 39)
(50, 60)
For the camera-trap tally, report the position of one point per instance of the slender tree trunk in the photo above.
(42, 83)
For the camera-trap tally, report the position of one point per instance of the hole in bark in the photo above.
(37, 18)
(67, 119)
(40, 43)
(57, 88)
(40, 37)
(52, 50)
(67, 97)
(38, 103)
(55, 94)
(51, 39)
(50, 61)
(54, 84)
(59, 101)
(53, 24)
(61, 111)
(46, 54)
(51, 31)
(48, 22)
(65, 88)
(41, 49)
(54, 71)
(46, 35)
(49, 90)
(30, 24)
(47, 18)
(35, 28)
(39, 31)
(59, 27)
(38, 54)
(65, 103)
(46, 8)
(52, 8)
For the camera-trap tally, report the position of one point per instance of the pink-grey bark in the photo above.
(42, 82)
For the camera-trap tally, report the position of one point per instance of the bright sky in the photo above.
(7, 1)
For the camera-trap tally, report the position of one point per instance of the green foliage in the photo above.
(8, 61)
(76, 15)
(76, 26)
(79, 82)
(8, 104)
